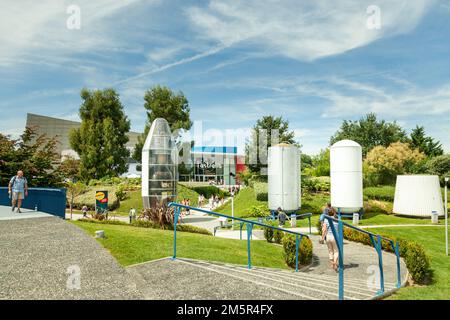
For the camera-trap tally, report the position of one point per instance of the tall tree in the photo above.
(384, 164)
(101, 139)
(370, 132)
(33, 153)
(162, 102)
(267, 131)
(426, 144)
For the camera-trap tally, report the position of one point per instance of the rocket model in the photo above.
(159, 166)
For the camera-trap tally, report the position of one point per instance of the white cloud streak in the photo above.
(303, 30)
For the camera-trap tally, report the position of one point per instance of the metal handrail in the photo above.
(249, 223)
(376, 240)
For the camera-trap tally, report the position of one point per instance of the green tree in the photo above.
(162, 102)
(33, 153)
(69, 169)
(321, 164)
(370, 132)
(267, 131)
(426, 144)
(440, 166)
(74, 189)
(101, 139)
(382, 165)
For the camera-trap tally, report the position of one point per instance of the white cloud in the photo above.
(38, 29)
(303, 30)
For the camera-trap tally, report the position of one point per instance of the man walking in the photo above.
(18, 190)
(132, 214)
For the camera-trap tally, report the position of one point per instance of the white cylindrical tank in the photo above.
(346, 176)
(284, 177)
(418, 195)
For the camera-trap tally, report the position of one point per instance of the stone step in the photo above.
(290, 282)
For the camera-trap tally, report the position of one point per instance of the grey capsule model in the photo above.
(159, 166)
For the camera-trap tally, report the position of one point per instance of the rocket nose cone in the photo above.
(161, 127)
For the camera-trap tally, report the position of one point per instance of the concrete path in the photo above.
(41, 258)
(193, 279)
(46, 257)
(7, 214)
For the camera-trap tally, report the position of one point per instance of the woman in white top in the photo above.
(327, 235)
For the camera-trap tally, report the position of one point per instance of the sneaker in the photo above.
(18, 211)
(12, 209)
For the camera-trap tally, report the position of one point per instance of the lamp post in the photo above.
(446, 216)
(232, 212)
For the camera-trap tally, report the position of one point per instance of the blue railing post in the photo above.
(309, 218)
(175, 222)
(341, 256)
(380, 263)
(249, 234)
(242, 225)
(397, 254)
(297, 243)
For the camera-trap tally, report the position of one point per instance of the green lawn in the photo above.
(134, 199)
(432, 239)
(131, 245)
(314, 203)
(242, 203)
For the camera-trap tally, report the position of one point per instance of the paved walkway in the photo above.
(7, 214)
(39, 253)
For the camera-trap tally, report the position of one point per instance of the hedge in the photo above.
(288, 241)
(305, 250)
(150, 224)
(261, 192)
(415, 257)
(208, 191)
(384, 193)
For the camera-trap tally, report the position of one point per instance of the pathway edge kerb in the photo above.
(303, 268)
(392, 291)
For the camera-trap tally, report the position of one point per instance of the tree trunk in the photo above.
(71, 206)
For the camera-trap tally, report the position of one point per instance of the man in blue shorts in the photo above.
(18, 190)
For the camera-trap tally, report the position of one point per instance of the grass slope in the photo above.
(432, 240)
(134, 199)
(131, 245)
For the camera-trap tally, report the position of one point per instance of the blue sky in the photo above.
(313, 62)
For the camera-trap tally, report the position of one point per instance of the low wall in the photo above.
(48, 200)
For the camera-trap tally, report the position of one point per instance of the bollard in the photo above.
(356, 219)
(434, 217)
(293, 220)
(100, 234)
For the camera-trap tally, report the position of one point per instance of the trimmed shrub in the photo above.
(384, 193)
(151, 225)
(259, 211)
(268, 234)
(144, 224)
(261, 192)
(417, 262)
(415, 257)
(193, 229)
(305, 250)
(278, 236)
(113, 222)
(208, 191)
